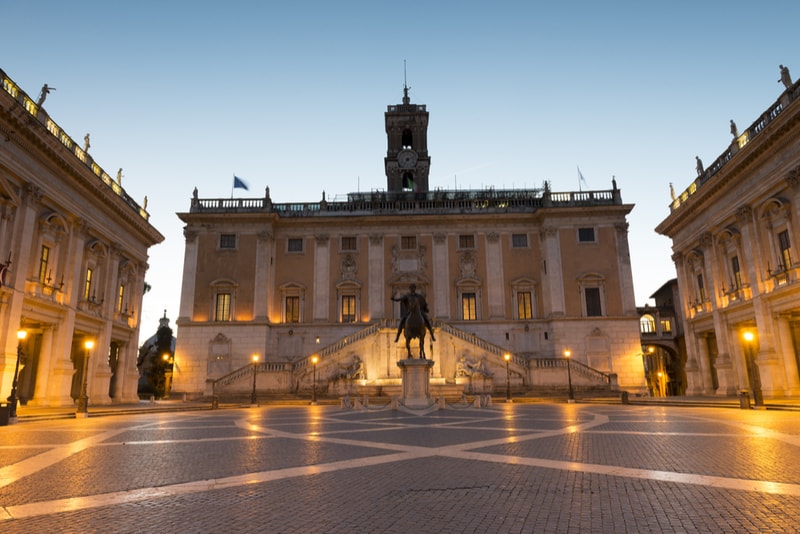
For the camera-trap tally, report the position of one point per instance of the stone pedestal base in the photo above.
(416, 383)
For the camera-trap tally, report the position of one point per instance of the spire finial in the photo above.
(406, 99)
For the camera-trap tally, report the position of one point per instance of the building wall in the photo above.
(442, 268)
(745, 206)
(54, 195)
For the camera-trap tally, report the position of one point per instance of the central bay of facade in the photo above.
(524, 273)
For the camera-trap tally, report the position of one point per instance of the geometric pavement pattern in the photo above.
(507, 468)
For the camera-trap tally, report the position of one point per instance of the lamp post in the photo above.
(314, 360)
(754, 377)
(168, 363)
(253, 400)
(507, 358)
(83, 400)
(567, 354)
(12, 399)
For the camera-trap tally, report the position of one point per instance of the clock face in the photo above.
(407, 159)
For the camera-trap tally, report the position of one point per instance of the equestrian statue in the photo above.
(415, 320)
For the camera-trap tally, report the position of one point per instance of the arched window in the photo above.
(647, 324)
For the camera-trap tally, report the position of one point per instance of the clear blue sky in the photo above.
(291, 95)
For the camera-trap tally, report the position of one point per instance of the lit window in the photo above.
(647, 324)
(120, 298)
(227, 241)
(44, 259)
(524, 309)
(293, 309)
(348, 308)
(87, 287)
(519, 240)
(223, 309)
(701, 288)
(666, 326)
(469, 311)
(786, 249)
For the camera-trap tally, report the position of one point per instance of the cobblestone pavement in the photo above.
(507, 468)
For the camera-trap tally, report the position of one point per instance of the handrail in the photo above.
(575, 366)
(489, 200)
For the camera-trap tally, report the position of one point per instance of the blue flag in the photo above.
(239, 183)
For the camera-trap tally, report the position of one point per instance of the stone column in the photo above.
(441, 278)
(261, 287)
(376, 277)
(494, 276)
(552, 274)
(186, 311)
(624, 265)
(322, 273)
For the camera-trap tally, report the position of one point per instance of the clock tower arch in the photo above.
(407, 161)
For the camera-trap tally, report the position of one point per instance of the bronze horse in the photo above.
(415, 327)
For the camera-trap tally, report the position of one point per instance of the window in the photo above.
(120, 298)
(348, 308)
(469, 308)
(524, 308)
(295, 244)
(293, 309)
(593, 302)
(292, 302)
(44, 259)
(227, 241)
(519, 240)
(586, 235)
(647, 324)
(786, 249)
(87, 286)
(408, 242)
(736, 282)
(701, 289)
(349, 243)
(666, 326)
(223, 308)
(466, 241)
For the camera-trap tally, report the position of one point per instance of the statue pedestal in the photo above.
(416, 383)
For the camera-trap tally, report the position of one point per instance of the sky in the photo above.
(291, 96)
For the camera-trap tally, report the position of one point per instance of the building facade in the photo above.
(735, 232)
(531, 273)
(663, 346)
(76, 254)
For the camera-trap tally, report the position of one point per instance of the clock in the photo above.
(407, 158)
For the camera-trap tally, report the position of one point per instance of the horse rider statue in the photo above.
(423, 306)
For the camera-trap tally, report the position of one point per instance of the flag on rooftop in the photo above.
(238, 183)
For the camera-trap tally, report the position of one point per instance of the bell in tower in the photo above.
(407, 162)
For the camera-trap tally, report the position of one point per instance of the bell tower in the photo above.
(407, 162)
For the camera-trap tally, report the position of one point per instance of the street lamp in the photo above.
(253, 400)
(83, 400)
(567, 354)
(12, 399)
(314, 360)
(507, 358)
(754, 377)
(168, 363)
